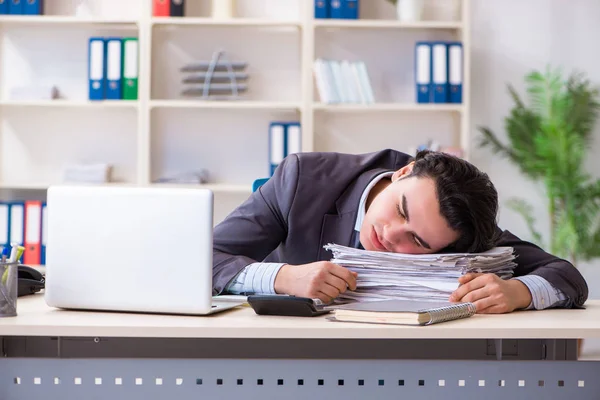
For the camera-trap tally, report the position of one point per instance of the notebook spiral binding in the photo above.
(449, 313)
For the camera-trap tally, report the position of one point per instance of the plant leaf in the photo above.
(526, 211)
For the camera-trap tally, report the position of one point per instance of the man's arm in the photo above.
(562, 275)
(543, 294)
(254, 229)
(257, 278)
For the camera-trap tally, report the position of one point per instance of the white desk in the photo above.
(239, 354)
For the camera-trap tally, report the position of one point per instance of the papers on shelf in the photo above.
(428, 277)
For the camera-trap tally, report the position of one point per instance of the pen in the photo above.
(13, 252)
(20, 250)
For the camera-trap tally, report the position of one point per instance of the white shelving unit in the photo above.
(163, 134)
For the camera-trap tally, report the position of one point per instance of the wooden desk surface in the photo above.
(35, 318)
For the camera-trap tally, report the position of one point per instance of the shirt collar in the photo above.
(363, 200)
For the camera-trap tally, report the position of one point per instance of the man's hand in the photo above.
(491, 294)
(319, 280)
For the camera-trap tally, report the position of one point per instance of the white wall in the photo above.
(510, 38)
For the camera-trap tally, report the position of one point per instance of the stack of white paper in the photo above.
(427, 277)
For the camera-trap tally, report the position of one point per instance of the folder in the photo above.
(4, 224)
(162, 8)
(293, 143)
(276, 145)
(17, 223)
(97, 80)
(177, 8)
(44, 233)
(15, 7)
(335, 9)
(321, 9)
(33, 7)
(33, 233)
(113, 68)
(350, 9)
(423, 71)
(4, 7)
(130, 71)
(455, 71)
(439, 52)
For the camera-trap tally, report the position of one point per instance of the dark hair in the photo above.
(468, 199)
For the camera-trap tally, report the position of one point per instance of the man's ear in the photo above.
(403, 172)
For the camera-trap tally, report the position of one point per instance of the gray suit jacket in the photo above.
(312, 199)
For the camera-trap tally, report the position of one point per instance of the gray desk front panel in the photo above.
(149, 379)
(449, 349)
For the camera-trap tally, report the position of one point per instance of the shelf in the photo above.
(71, 103)
(215, 187)
(198, 21)
(64, 20)
(386, 24)
(45, 186)
(388, 107)
(226, 104)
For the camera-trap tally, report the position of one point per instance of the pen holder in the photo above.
(8, 289)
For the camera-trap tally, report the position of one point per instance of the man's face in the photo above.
(405, 218)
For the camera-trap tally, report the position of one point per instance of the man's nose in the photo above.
(394, 234)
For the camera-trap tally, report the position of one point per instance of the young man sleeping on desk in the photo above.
(383, 201)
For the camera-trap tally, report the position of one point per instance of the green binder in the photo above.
(130, 68)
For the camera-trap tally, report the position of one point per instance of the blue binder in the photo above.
(97, 68)
(4, 7)
(33, 7)
(321, 9)
(277, 145)
(16, 222)
(455, 71)
(4, 224)
(335, 9)
(15, 7)
(439, 72)
(113, 70)
(350, 9)
(423, 71)
(293, 138)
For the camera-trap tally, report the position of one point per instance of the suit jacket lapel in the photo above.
(338, 228)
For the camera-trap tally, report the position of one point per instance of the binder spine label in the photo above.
(130, 69)
(440, 73)
(423, 72)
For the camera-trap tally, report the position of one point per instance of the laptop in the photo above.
(131, 248)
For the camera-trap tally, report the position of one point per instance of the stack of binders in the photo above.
(25, 223)
(285, 138)
(168, 8)
(113, 68)
(21, 7)
(336, 9)
(439, 72)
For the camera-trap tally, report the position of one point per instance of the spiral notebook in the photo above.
(402, 312)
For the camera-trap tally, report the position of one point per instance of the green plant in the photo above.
(549, 139)
(394, 2)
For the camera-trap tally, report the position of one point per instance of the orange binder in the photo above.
(33, 233)
(162, 8)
